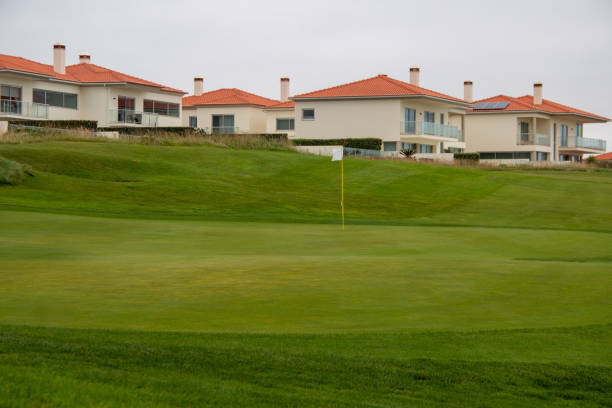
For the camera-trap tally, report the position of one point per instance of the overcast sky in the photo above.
(504, 47)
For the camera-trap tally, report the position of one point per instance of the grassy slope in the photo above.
(374, 297)
(142, 180)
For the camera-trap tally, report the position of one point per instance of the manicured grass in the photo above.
(74, 271)
(136, 275)
(534, 368)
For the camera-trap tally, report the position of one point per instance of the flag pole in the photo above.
(342, 188)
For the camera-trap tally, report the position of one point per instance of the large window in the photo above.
(53, 98)
(425, 148)
(578, 129)
(161, 108)
(193, 121)
(285, 124)
(563, 131)
(429, 127)
(308, 114)
(505, 155)
(223, 124)
(410, 121)
(389, 146)
(10, 99)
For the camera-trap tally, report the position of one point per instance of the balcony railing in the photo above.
(584, 142)
(432, 129)
(222, 130)
(533, 139)
(132, 117)
(25, 109)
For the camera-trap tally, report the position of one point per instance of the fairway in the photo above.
(173, 275)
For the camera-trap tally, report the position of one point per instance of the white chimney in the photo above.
(284, 92)
(537, 93)
(84, 59)
(414, 76)
(467, 91)
(59, 58)
(198, 86)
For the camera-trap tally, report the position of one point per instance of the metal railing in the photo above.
(129, 116)
(429, 128)
(353, 152)
(584, 142)
(533, 139)
(25, 109)
(222, 130)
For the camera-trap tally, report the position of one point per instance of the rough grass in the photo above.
(13, 173)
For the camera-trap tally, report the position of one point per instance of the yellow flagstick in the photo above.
(342, 184)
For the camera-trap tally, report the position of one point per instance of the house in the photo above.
(227, 110)
(404, 115)
(281, 116)
(529, 128)
(604, 157)
(83, 91)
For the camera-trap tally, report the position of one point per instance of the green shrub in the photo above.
(365, 143)
(13, 172)
(591, 159)
(467, 156)
(57, 124)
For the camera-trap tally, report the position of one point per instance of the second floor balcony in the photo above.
(533, 139)
(420, 128)
(132, 117)
(582, 142)
(30, 110)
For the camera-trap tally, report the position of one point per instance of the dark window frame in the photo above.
(162, 108)
(304, 114)
(291, 125)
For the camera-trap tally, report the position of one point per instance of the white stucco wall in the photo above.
(272, 115)
(248, 119)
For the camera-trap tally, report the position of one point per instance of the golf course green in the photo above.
(145, 275)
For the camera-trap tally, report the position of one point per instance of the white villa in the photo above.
(83, 91)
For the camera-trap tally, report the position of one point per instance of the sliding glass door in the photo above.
(410, 121)
(10, 99)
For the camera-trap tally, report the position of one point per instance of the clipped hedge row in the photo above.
(141, 131)
(467, 156)
(57, 124)
(365, 143)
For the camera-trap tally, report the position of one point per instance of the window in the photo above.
(505, 155)
(53, 98)
(563, 130)
(429, 127)
(223, 124)
(308, 114)
(285, 124)
(409, 146)
(161, 108)
(442, 118)
(423, 148)
(389, 146)
(193, 121)
(454, 150)
(541, 156)
(10, 99)
(410, 121)
(578, 129)
(429, 117)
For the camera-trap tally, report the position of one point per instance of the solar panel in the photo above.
(491, 105)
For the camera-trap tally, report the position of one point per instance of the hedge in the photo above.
(365, 143)
(140, 131)
(467, 156)
(57, 124)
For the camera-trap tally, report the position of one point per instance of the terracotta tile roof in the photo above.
(605, 156)
(83, 73)
(525, 103)
(227, 96)
(380, 85)
(282, 105)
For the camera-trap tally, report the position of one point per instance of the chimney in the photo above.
(284, 95)
(537, 93)
(198, 86)
(467, 91)
(414, 76)
(59, 58)
(84, 59)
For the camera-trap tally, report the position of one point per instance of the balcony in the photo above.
(583, 143)
(431, 129)
(23, 109)
(132, 117)
(533, 139)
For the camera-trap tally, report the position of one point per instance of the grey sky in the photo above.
(502, 46)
